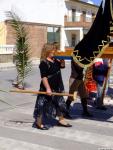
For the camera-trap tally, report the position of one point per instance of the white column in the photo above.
(69, 15)
(62, 39)
(81, 34)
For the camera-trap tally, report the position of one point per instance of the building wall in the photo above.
(68, 37)
(78, 19)
(35, 11)
(84, 14)
(6, 58)
(2, 33)
(37, 37)
(78, 5)
(38, 14)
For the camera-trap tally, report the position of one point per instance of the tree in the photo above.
(22, 55)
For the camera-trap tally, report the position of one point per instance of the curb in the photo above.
(10, 65)
(5, 66)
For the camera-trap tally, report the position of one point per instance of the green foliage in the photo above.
(23, 65)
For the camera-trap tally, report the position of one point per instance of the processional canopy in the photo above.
(97, 39)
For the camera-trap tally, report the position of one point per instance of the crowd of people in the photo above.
(51, 81)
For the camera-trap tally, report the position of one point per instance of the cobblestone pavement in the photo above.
(16, 132)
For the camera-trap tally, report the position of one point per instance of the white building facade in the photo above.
(59, 21)
(79, 17)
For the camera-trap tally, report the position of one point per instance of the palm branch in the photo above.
(23, 64)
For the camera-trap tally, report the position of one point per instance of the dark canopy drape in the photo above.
(96, 39)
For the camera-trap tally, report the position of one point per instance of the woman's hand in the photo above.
(62, 63)
(47, 86)
(49, 92)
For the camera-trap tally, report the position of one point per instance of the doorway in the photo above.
(73, 40)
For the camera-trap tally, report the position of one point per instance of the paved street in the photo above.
(16, 132)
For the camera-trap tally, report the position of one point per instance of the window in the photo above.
(73, 15)
(88, 17)
(73, 40)
(77, 18)
(78, 15)
(85, 31)
(53, 34)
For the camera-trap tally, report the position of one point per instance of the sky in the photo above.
(97, 1)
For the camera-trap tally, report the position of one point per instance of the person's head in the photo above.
(98, 61)
(48, 51)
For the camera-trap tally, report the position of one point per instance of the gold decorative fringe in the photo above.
(111, 8)
(96, 54)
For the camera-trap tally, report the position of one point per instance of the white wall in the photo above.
(38, 11)
(68, 34)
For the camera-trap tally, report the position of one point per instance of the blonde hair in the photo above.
(47, 49)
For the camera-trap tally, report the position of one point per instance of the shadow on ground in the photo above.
(110, 92)
(99, 115)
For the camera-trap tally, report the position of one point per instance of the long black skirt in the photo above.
(51, 106)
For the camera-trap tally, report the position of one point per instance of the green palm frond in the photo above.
(23, 65)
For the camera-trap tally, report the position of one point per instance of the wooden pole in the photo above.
(40, 92)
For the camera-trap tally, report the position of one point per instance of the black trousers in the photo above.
(79, 86)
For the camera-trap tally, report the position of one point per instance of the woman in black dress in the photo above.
(51, 82)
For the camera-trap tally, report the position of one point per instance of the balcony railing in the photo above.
(78, 19)
(7, 49)
(78, 22)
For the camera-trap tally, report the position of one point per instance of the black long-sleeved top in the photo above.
(52, 71)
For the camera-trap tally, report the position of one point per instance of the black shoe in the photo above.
(95, 103)
(34, 125)
(41, 128)
(68, 104)
(87, 114)
(64, 125)
(67, 116)
(101, 108)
